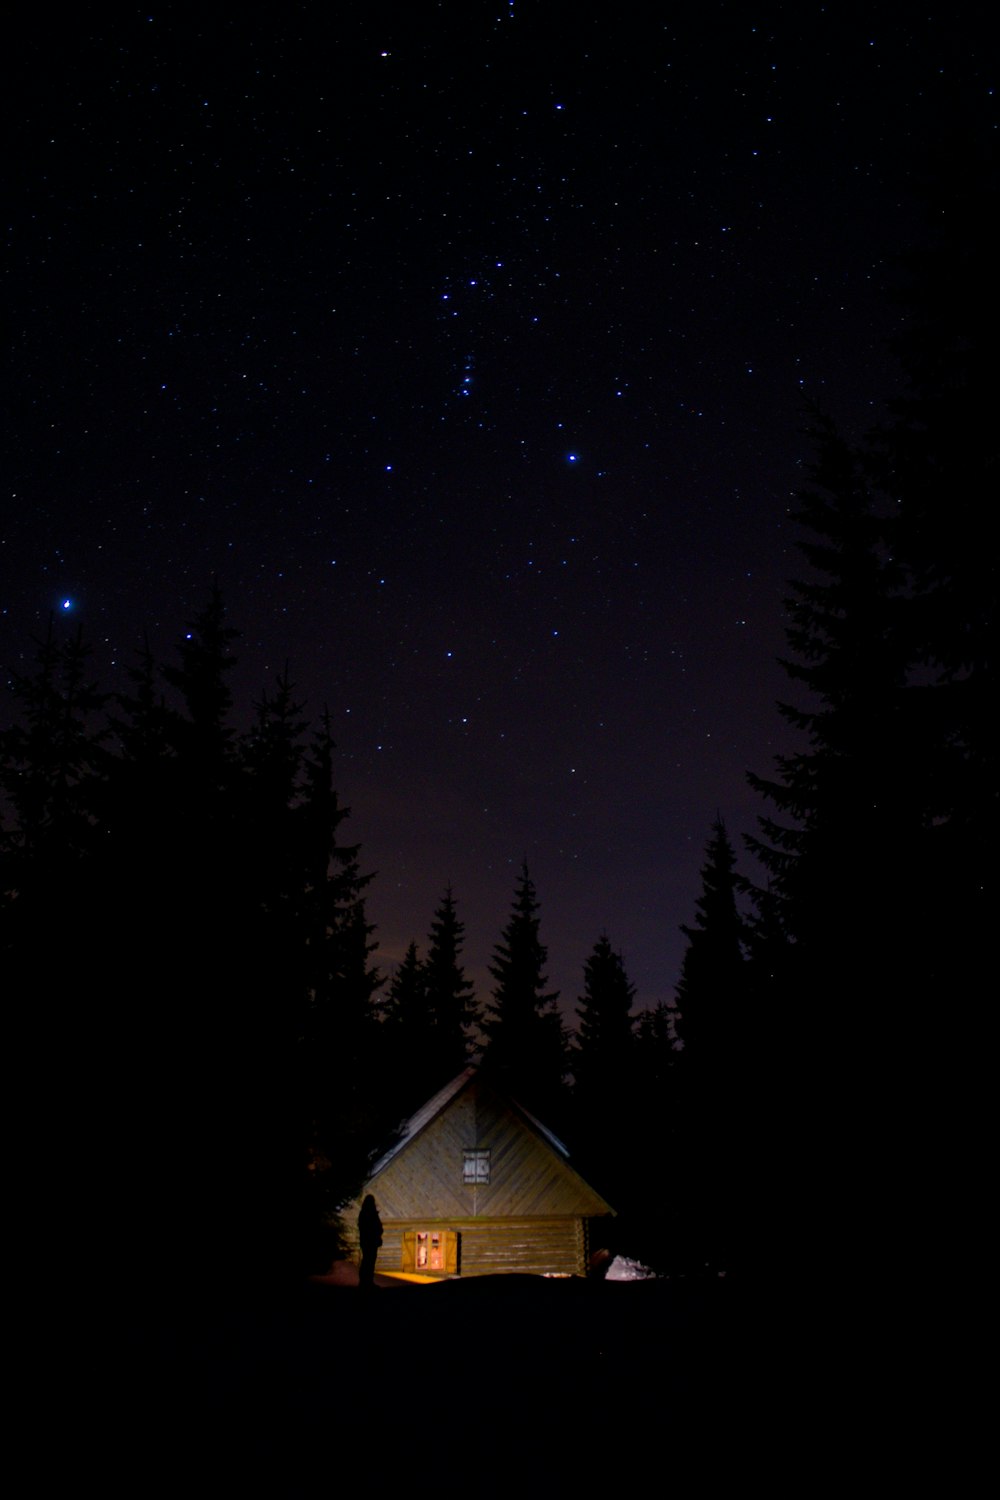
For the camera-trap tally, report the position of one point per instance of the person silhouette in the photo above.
(370, 1234)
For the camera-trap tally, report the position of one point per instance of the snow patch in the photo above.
(624, 1269)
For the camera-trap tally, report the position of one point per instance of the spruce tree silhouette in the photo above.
(449, 992)
(714, 1069)
(526, 1046)
(603, 1061)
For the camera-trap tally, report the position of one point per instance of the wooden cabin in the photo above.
(475, 1186)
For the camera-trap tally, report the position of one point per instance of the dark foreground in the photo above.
(498, 1380)
(477, 1385)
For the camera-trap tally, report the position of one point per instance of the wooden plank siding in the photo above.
(531, 1216)
(541, 1247)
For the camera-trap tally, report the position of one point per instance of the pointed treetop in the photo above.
(205, 659)
(712, 975)
(605, 1032)
(526, 1043)
(449, 992)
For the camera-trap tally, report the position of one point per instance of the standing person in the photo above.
(370, 1233)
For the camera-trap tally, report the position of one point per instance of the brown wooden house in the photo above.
(476, 1185)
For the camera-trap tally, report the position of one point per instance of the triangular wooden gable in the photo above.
(529, 1175)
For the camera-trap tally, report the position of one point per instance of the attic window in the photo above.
(476, 1167)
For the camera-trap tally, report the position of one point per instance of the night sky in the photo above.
(467, 346)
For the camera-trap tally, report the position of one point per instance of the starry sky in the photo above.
(467, 345)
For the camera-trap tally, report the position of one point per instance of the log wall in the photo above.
(487, 1247)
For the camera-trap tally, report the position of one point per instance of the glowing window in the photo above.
(430, 1254)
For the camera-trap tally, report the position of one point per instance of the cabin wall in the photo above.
(526, 1211)
(490, 1247)
(536, 1246)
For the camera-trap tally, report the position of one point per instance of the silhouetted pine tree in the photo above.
(207, 1007)
(204, 732)
(937, 457)
(51, 759)
(344, 1088)
(879, 851)
(449, 992)
(213, 1083)
(272, 756)
(656, 1061)
(526, 1045)
(846, 855)
(603, 1050)
(842, 856)
(652, 1209)
(52, 767)
(427, 1014)
(710, 992)
(408, 1037)
(655, 1034)
(604, 1072)
(406, 1003)
(715, 1067)
(938, 461)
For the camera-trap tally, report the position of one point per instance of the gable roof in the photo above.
(421, 1173)
(439, 1102)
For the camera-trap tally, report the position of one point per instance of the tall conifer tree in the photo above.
(341, 1038)
(711, 990)
(715, 1069)
(209, 902)
(449, 992)
(526, 1044)
(604, 1071)
(843, 917)
(879, 850)
(937, 459)
(604, 1041)
(53, 770)
(408, 1036)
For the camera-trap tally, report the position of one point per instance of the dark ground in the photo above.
(499, 1384)
(492, 1382)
